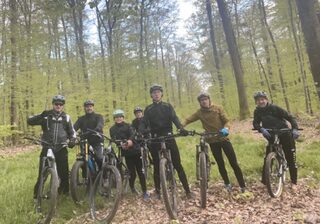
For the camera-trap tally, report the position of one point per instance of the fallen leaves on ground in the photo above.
(254, 206)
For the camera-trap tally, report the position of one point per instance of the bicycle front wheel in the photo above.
(106, 194)
(145, 163)
(274, 175)
(168, 186)
(47, 195)
(79, 181)
(203, 179)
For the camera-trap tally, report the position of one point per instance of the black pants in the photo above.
(98, 153)
(216, 149)
(289, 149)
(134, 165)
(62, 167)
(175, 156)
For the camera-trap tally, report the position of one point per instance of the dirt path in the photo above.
(13, 151)
(302, 206)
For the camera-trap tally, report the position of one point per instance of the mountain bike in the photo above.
(203, 165)
(167, 175)
(84, 169)
(106, 192)
(46, 201)
(276, 163)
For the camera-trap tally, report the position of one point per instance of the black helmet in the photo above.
(137, 109)
(88, 102)
(156, 87)
(201, 95)
(259, 94)
(58, 98)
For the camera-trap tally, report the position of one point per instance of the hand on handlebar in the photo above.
(265, 133)
(184, 132)
(224, 132)
(295, 133)
(126, 145)
(72, 143)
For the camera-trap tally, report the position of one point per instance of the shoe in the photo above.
(243, 189)
(134, 191)
(228, 187)
(189, 195)
(146, 196)
(157, 194)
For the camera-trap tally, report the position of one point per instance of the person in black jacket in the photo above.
(270, 116)
(158, 119)
(138, 113)
(57, 129)
(130, 150)
(93, 121)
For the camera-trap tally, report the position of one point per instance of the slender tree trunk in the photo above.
(311, 29)
(300, 63)
(235, 58)
(163, 65)
(141, 58)
(215, 51)
(13, 18)
(279, 65)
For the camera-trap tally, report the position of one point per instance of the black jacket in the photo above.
(57, 128)
(92, 121)
(136, 123)
(124, 131)
(158, 119)
(272, 116)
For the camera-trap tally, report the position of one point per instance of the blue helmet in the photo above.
(118, 113)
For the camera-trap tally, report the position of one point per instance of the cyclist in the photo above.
(158, 119)
(57, 129)
(93, 121)
(214, 119)
(138, 113)
(268, 115)
(130, 150)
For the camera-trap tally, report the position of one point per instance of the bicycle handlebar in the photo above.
(39, 141)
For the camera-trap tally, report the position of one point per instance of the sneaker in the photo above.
(157, 194)
(146, 196)
(134, 191)
(243, 189)
(228, 187)
(189, 195)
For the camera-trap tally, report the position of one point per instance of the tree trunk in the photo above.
(215, 51)
(279, 65)
(235, 58)
(311, 29)
(141, 59)
(300, 62)
(13, 18)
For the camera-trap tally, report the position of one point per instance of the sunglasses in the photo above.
(58, 104)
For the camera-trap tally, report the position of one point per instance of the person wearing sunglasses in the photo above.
(58, 130)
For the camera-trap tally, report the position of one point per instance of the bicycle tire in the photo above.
(79, 181)
(106, 191)
(168, 187)
(203, 179)
(274, 175)
(48, 191)
(145, 163)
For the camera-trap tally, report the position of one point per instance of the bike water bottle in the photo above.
(91, 164)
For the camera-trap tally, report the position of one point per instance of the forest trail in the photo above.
(255, 206)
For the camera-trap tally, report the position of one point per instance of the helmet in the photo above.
(88, 102)
(137, 109)
(118, 113)
(156, 87)
(259, 94)
(201, 95)
(58, 98)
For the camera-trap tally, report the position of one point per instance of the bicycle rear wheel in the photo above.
(274, 175)
(106, 194)
(203, 179)
(47, 195)
(79, 181)
(168, 186)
